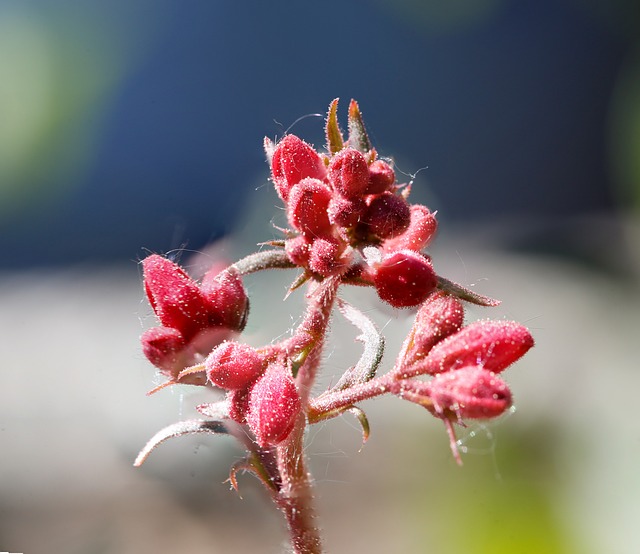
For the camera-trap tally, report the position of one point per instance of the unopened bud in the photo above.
(388, 215)
(491, 344)
(422, 228)
(274, 405)
(471, 392)
(381, 177)
(228, 300)
(297, 249)
(307, 208)
(404, 279)
(440, 316)
(233, 365)
(162, 347)
(326, 257)
(293, 160)
(238, 404)
(346, 212)
(174, 296)
(349, 173)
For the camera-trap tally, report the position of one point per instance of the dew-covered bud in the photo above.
(346, 212)
(167, 350)
(440, 316)
(326, 257)
(491, 344)
(297, 249)
(381, 177)
(422, 228)
(228, 300)
(274, 405)
(307, 208)
(471, 392)
(404, 279)
(162, 346)
(174, 296)
(233, 365)
(293, 160)
(387, 215)
(238, 404)
(349, 173)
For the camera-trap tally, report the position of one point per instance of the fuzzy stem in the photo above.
(295, 497)
(267, 259)
(333, 403)
(312, 331)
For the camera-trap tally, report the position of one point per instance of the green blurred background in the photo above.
(128, 127)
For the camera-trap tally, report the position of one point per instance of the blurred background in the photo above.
(130, 127)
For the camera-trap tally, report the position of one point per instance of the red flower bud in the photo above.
(174, 296)
(404, 279)
(388, 215)
(233, 365)
(492, 345)
(307, 208)
(346, 212)
(325, 257)
(381, 177)
(422, 228)
(470, 392)
(274, 405)
(227, 297)
(238, 403)
(297, 249)
(166, 349)
(440, 316)
(162, 347)
(349, 173)
(293, 160)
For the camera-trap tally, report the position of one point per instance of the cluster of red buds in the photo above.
(350, 224)
(340, 203)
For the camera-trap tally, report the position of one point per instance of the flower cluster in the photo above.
(350, 223)
(194, 317)
(341, 203)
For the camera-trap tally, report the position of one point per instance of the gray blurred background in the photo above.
(129, 127)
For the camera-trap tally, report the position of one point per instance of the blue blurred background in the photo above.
(129, 125)
(135, 126)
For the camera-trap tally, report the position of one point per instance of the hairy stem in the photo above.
(333, 403)
(295, 497)
(267, 259)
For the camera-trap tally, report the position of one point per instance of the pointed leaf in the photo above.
(298, 282)
(217, 410)
(335, 141)
(252, 465)
(363, 420)
(189, 427)
(464, 293)
(373, 352)
(358, 137)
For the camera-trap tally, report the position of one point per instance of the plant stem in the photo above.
(333, 403)
(295, 497)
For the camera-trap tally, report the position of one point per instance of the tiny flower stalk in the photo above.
(350, 223)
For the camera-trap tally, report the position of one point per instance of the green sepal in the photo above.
(358, 137)
(335, 141)
(463, 293)
(252, 464)
(363, 420)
